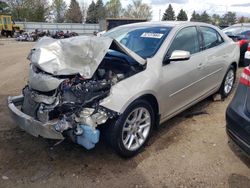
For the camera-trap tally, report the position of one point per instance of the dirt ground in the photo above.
(187, 151)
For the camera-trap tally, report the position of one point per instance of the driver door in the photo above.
(180, 84)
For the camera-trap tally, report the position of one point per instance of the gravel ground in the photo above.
(186, 151)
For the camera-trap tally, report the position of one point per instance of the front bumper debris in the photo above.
(28, 123)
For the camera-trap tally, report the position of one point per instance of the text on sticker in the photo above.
(152, 35)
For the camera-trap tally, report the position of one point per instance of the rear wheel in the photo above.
(130, 132)
(3, 33)
(228, 82)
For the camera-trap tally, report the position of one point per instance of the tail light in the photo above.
(245, 77)
(242, 42)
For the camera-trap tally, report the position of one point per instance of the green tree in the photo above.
(216, 19)
(91, 13)
(74, 13)
(113, 8)
(242, 19)
(59, 7)
(169, 13)
(205, 17)
(195, 17)
(100, 10)
(41, 9)
(138, 10)
(4, 7)
(182, 16)
(17, 9)
(29, 10)
(229, 18)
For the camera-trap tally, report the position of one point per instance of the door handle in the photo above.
(200, 65)
(225, 55)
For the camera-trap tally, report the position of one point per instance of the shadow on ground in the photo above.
(238, 181)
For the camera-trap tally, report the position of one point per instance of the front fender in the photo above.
(125, 92)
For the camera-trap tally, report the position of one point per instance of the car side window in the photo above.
(211, 37)
(187, 40)
(247, 33)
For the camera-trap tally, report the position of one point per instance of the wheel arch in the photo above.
(113, 133)
(155, 105)
(221, 89)
(234, 64)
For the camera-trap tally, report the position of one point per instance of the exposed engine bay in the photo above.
(72, 101)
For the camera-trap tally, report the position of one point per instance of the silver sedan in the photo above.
(129, 80)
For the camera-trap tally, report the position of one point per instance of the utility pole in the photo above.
(159, 14)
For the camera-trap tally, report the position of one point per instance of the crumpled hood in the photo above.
(74, 55)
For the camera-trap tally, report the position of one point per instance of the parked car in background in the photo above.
(247, 56)
(25, 37)
(63, 35)
(111, 23)
(130, 80)
(240, 33)
(238, 113)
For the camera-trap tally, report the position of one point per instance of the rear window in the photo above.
(236, 30)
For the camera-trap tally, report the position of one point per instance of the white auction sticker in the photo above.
(247, 55)
(152, 35)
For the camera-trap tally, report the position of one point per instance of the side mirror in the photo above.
(177, 55)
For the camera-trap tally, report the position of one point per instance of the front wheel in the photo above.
(130, 132)
(228, 82)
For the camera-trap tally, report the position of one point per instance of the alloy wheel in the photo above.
(136, 128)
(229, 81)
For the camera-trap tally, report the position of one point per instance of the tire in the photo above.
(128, 139)
(228, 82)
(3, 33)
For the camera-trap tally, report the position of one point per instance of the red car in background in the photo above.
(241, 34)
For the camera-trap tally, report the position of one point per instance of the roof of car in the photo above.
(165, 23)
(241, 24)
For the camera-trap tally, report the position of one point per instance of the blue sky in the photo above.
(242, 7)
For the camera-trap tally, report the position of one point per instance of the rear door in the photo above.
(215, 57)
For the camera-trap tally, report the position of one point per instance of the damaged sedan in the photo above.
(128, 81)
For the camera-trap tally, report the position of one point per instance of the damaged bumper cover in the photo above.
(28, 123)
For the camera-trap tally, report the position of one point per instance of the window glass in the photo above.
(187, 40)
(4, 21)
(143, 40)
(235, 30)
(247, 33)
(211, 37)
(9, 22)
